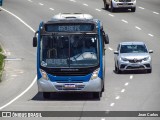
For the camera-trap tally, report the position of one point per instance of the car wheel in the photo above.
(46, 95)
(133, 9)
(115, 68)
(149, 71)
(118, 71)
(106, 6)
(112, 8)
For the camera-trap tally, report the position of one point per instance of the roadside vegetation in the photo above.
(2, 57)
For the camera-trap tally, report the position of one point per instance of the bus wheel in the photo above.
(97, 95)
(46, 95)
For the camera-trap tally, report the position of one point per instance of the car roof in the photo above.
(132, 43)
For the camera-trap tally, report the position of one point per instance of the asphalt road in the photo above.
(126, 92)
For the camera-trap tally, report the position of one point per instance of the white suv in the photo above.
(115, 4)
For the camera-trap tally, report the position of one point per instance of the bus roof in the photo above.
(71, 16)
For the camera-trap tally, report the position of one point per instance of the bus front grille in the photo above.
(61, 87)
(69, 73)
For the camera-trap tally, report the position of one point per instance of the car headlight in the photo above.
(44, 74)
(124, 59)
(95, 74)
(147, 58)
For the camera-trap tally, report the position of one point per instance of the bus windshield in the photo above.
(69, 50)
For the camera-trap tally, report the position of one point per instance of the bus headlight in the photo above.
(95, 74)
(44, 74)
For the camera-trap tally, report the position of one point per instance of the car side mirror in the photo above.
(34, 41)
(106, 39)
(116, 52)
(150, 51)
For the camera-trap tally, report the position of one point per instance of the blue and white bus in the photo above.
(71, 55)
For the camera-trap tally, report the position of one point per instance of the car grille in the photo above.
(135, 67)
(135, 61)
(78, 87)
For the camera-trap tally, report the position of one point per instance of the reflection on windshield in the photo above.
(133, 49)
(69, 50)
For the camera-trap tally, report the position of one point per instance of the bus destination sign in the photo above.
(69, 27)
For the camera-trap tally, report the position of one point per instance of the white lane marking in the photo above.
(13, 59)
(30, 0)
(117, 97)
(142, 8)
(21, 72)
(8, 53)
(14, 75)
(35, 79)
(151, 35)
(112, 104)
(98, 10)
(41, 4)
(126, 84)
(131, 77)
(138, 28)
(102, 118)
(110, 48)
(124, 21)
(19, 19)
(111, 15)
(156, 13)
(123, 90)
(85, 4)
(51, 9)
(72, 0)
(19, 94)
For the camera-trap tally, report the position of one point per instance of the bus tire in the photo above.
(103, 89)
(46, 95)
(97, 95)
(149, 71)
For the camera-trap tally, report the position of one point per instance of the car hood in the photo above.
(131, 56)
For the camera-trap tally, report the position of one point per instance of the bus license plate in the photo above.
(69, 86)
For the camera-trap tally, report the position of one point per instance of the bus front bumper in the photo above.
(90, 86)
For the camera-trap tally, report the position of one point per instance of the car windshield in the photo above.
(133, 49)
(79, 50)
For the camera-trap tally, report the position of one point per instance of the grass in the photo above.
(2, 57)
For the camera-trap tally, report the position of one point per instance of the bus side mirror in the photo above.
(1, 2)
(106, 39)
(34, 41)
